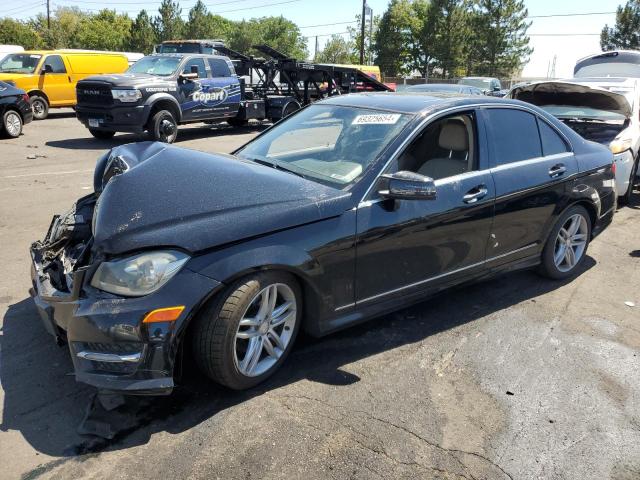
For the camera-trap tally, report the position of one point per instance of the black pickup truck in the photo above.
(159, 92)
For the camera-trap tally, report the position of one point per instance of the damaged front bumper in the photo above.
(110, 347)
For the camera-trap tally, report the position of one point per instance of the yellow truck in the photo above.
(49, 76)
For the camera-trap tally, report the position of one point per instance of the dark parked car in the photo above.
(353, 207)
(15, 109)
(489, 85)
(444, 88)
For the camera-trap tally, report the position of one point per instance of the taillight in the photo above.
(613, 167)
(25, 97)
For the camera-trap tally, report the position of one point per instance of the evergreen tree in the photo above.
(449, 20)
(626, 32)
(500, 41)
(168, 24)
(142, 35)
(395, 38)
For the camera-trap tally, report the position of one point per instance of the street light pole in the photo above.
(364, 3)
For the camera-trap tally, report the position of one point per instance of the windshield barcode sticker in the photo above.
(376, 119)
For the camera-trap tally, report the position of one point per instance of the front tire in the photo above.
(102, 134)
(39, 107)
(12, 123)
(163, 127)
(567, 244)
(243, 337)
(626, 198)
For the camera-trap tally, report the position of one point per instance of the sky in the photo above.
(332, 16)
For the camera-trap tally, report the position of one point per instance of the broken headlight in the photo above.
(138, 275)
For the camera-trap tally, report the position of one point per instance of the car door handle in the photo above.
(475, 194)
(557, 170)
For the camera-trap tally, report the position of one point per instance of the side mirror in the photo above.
(189, 76)
(405, 185)
(194, 69)
(47, 68)
(496, 88)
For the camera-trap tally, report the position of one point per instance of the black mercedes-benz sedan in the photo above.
(352, 207)
(15, 110)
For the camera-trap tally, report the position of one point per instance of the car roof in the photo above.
(413, 103)
(182, 55)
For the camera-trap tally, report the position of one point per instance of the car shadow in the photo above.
(184, 135)
(44, 403)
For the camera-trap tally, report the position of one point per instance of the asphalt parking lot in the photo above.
(517, 377)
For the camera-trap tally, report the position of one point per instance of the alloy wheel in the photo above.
(13, 124)
(265, 330)
(571, 243)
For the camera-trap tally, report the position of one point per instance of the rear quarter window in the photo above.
(552, 143)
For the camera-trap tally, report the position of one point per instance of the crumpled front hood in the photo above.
(572, 93)
(174, 197)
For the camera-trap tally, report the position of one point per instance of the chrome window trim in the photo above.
(442, 113)
(437, 277)
(530, 161)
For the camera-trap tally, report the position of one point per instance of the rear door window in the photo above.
(219, 68)
(552, 143)
(514, 135)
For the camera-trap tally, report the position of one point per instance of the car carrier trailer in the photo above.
(162, 91)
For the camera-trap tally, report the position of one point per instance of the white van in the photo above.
(616, 63)
(7, 49)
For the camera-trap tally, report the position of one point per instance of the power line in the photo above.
(570, 14)
(24, 7)
(328, 24)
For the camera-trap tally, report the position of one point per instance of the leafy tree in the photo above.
(142, 36)
(203, 24)
(168, 24)
(500, 41)
(105, 31)
(65, 23)
(370, 32)
(277, 32)
(15, 32)
(337, 50)
(626, 32)
(395, 38)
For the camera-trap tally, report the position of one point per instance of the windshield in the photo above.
(162, 66)
(434, 88)
(20, 63)
(584, 113)
(610, 69)
(330, 144)
(483, 83)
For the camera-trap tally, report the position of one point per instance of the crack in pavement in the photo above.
(377, 451)
(449, 451)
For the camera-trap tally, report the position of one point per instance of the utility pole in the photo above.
(315, 52)
(364, 4)
(48, 15)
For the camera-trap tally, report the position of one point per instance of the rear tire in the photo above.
(39, 106)
(566, 247)
(163, 127)
(236, 122)
(12, 123)
(241, 322)
(102, 134)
